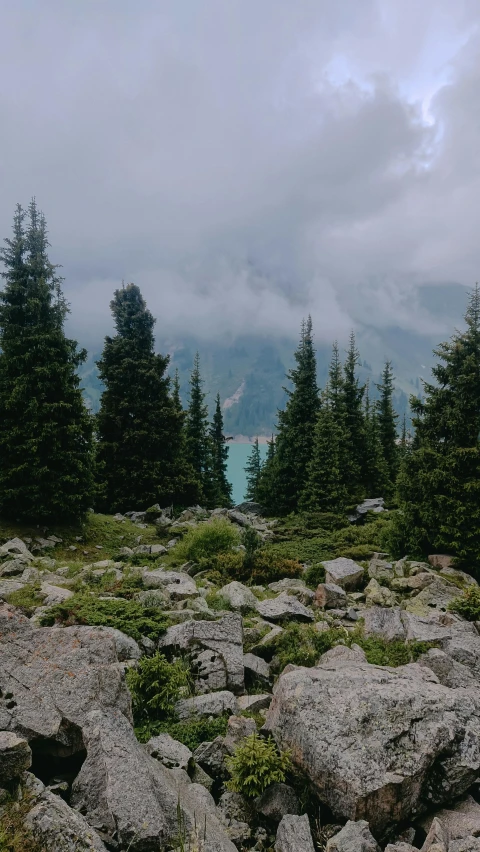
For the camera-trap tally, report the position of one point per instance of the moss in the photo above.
(129, 616)
(26, 599)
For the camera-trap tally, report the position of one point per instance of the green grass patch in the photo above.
(26, 599)
(468, 604)
(129, 616)
(14, 835)
(191, 733)
(379, 652)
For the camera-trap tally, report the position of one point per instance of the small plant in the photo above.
(207, 540)
(256, 764)
(26, 599)
(468, 604)
(268, 567)
(191, 733)
(379, 652)
(131, 617)
(156, 685)
(14, 835)
(251, 542)
(301, 645)
(314, 575)
(217, 602)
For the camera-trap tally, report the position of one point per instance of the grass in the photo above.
(26, 599)
(14, 835)
(129, 616)
(190, 733)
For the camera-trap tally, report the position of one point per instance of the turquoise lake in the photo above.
(237, 459)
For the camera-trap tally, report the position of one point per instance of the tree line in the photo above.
(333, 447)
(55, 457)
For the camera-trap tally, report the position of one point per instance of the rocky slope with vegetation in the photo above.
(217, 680)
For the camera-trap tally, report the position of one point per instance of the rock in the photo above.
(248, 507)
(377, 595)
(330, 596)
(15, 756)
(158, 549)
(453, 573)
(354, 837)
(387, 756)
(352, 614)
(235, 815)
(449, 672)
(425, 629)
(68, 697)
(199, 776)
(294, 835)
(436, 595)
(437, 839)
(285, 607)
(254, 703)
(298, 588)
(256, 666)
(210, 704)
(126, 648)
(343, 572)
(16, 545)
(9, 586)
(413, 582)
(13, 567)
(223, 666)
(125, 551)
(238, 727)
(59, 828)
(374, 504)
(239, 596)
(54, 594)
(162, 522)
(440, 560)
(400, 847)
(341, 653)
(178, 585)
(277, 801)
(458, 822)
(211, 757)
(172, 754)
(239, 518)
(378, 569)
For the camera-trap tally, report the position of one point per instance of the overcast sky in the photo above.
(247, 161)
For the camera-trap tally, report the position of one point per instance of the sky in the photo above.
(246, 162)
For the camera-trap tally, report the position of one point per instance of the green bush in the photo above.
(268, 567)
(131, 617)
(155, 685)
(191, 733)
(468, 604)
(207, 540)
(379, 652)
(26, 599)
(256, 764)
(314, 575)
(301, 645)
(217, 602)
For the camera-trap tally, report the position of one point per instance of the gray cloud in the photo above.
(244, 162)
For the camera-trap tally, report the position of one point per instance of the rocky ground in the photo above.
(368, 679)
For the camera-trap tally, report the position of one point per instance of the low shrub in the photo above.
(468, 604)
(301, 645)
(314, 575)
(379, 652)
(217, 602)
(155, 685)
(256, 764)
(129, 616)
(26, 599)
(190, 733)
(268, 567)
(208, 540)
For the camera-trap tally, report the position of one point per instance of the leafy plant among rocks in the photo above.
(207, 540)
(156, 684)
(256, 764)
(129, 616)
(468, 604)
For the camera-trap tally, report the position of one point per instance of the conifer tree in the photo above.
(296, 425)
(220, 487)
(352, 393)
(138, 425)
(253, 470)
(335, 383)
(197, 433)
(188, 489)
(45, 431)
(439, 484)
(325, 488)
(265, 493)
(387, 422)
(375, 472)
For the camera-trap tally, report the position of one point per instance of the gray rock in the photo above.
(294, 835)
(211, 757)
(277, 801)
(384, 757)
(437, 595)
(427, 628)
(440, 560)
(330, 596)
(412, 583)
(449, 672)
(15, 756)
(285, 607)
(377, 595)
(178, 585)
(14, 567)
(458, 822)
(298, 588)
(343, 572)
(54, 594)
(158, 549)
(437, 839)
(239, 596)
(378, 569)
(199, 776)
(16, 546)
(234, 814)
(248, 507)
(9, 586)
(342, 653)
(59, 828)
(256, 666)
(401, 847)
(456, 574)
(126, 648)
(209, 704)
(223, 667)
(254, 703)
(170, 752)
(239, 518)
(354, 837)
(238, 727)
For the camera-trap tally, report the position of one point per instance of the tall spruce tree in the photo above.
(188, 490)
(137, 424)
(387, 423)
(45, 431)
(221, 489)
(439, 484)
(352, 393)
(267, 479)
(197, 433)
(325, 489)
(296, 425)
(253, 470)
(375, 470)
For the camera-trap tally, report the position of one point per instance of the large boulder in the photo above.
(239, 596)
(178, 585)
(354, 837)
(343, 572)
(284, 608)
(208, 704)
(170, 752)
(277, 801)
(378, 744)
(68, 697)
(330, 596)
(55, 825)
(216, 648)
(294, 835)
(15, 756)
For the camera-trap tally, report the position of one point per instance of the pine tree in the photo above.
(375, 471)
(137, 424)
(253, 470)
(387, 423)
(197, 432)
(335, 383)
(325, 488)
(351, 394)
(439, 484)
(45, 431)
(265, 493)
(188, 489)
(220, 486)
(296, 425)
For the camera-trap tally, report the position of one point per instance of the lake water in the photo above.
(237, 459)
